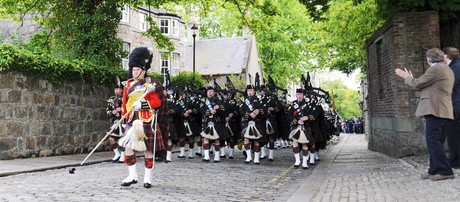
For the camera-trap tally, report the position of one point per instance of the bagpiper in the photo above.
(253, 124)
(299, 116)
(114, 113)
(213, 123)
(140, 100)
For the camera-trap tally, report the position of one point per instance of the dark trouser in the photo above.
(452, 132)
(435, 138)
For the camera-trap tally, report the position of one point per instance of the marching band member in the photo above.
(176, 127)
(214, 123)
(232, 125)
(192, 121)
(141, 109)
(253, 122)
(299, 117)
(114, 114)
(271, 125)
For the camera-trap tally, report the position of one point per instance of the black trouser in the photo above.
(452, 131)
(435, 138)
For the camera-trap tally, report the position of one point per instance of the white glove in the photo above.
(137, 105)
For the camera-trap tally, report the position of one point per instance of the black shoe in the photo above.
(312, 164)
(222, 157)
(247, 161)
(190, 157)
(230, 157)
(181, 157)
(147, 185)
(296, 166)
(262, 157)
(270, 159)
(198, 154)
(127, 184)
(256, 163)
(205, 160)
(167, 161)
(115, 160)
(216, 161)
(305, 168)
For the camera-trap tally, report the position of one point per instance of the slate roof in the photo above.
(219, 56)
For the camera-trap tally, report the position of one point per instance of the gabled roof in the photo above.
(219, 56)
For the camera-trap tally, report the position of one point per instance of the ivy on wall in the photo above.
(55, 70)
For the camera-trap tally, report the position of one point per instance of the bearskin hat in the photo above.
(140, 57)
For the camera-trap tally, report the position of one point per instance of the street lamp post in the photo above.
(194, 28)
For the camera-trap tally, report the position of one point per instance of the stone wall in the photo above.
(41, 119)
(400, 43)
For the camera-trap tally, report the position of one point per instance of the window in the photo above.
(142, 22)
(175, 64)
(125, 14)
(124, 61)
(165, 65)
(175, 28)
(164, 26)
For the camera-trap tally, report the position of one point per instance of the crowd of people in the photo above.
(152, 118)
(353, 125)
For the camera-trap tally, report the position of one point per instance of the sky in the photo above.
(350, 80)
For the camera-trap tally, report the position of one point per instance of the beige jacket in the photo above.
(436, 85)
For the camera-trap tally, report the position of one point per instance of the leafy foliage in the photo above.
(154, 32)
(55, 70)
(448, 9)
(346, 100)
(340, 39)
(186, 79)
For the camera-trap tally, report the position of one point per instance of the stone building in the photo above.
(71, 118)
(389, 104)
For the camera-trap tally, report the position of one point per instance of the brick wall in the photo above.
(400, 43)
(41, 119)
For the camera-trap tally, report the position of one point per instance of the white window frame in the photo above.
(175, 64)
(142, 22)
(165, 64)
(125, 13)
(165, 29)
(175, 27)
(124, 61)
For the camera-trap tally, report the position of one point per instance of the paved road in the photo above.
(347, 172)
(180, 180)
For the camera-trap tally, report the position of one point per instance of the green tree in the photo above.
(84, 30)
(340, 38)
(448, 10)
(346, 100)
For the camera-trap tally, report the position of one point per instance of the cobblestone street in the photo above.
(179, 180)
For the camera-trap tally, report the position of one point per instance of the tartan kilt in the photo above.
(260, 125)
(195, 127)
(172, 131)
(235, 128)
(150, 134)
(179, 127)
(220, 129)
(307, 133)
(274, 125)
